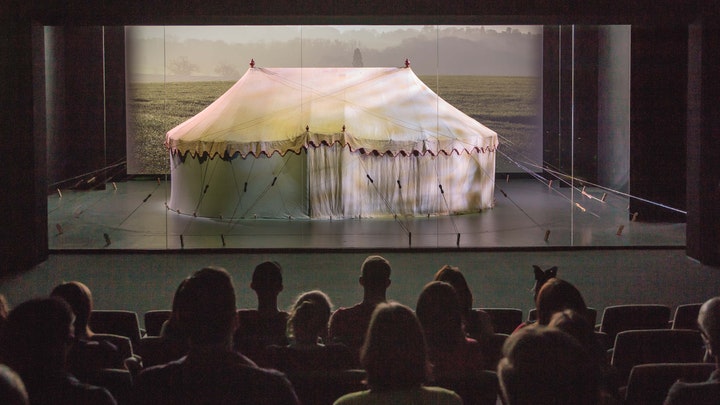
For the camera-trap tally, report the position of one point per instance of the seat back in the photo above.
(620, 318)
(686, 316)
(154, 350)
(123, 343)
(116, 322)
(154, 321)
(592, 314)
(634, 347)
(649, 384)
(504, 320)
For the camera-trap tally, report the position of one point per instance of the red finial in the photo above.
(343, 128)
(407, 62)
(307, 128)
(252, 63)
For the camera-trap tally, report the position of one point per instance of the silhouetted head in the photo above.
(541, 277)
(709, 323)
(454, 276)
(211, 314)
(309, 316)
(543, 365)
(37, 336)
(558, 295)
(375, 273)
(394, 354)
(267, 277)
(439, 314)
(79, 297)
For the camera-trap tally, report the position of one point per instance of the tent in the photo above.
(330, 143)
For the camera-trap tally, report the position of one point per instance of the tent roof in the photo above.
(373, 110)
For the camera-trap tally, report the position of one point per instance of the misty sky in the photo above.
(224, 51)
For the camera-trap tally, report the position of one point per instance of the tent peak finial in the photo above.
(252, 63)
(407, 62)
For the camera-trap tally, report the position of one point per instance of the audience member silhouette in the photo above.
(266, 325)
(394, 356)
(89, 351)
(477, 323)
(35, 343)
(557, 295)
(543, 365)
(174, 342)
(172, 331)
(707, 392)
(12, 389)
(306, 327)
(452, 354)
(211, 373)
(577, 326)
(349, 325)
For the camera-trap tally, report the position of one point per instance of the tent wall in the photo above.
(376, 186)
(332, 182)
(216, 188)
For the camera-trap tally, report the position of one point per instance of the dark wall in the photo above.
(85, 104)
(703, 142)
(81, 137)
(658, 105)
(115, 141)
(23, 202)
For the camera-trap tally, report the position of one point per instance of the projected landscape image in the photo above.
(491, 73)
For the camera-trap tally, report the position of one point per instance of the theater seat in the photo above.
(116, 322)
(634, 347)
(649, 383)
(619, 318)
(154, 321)
(504, 320)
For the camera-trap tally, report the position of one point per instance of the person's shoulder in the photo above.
(159, 372)
(345, 310)
(353, 398)
(81, 393)
(439, 395)
(423, 395)
(696, 393)
(259, 377)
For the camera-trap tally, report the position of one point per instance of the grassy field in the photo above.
(508, 105)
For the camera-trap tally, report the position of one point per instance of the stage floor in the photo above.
(133, 216)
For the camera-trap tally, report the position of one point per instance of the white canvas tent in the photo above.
(330, 143)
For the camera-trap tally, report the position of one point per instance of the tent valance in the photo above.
(379, 111)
